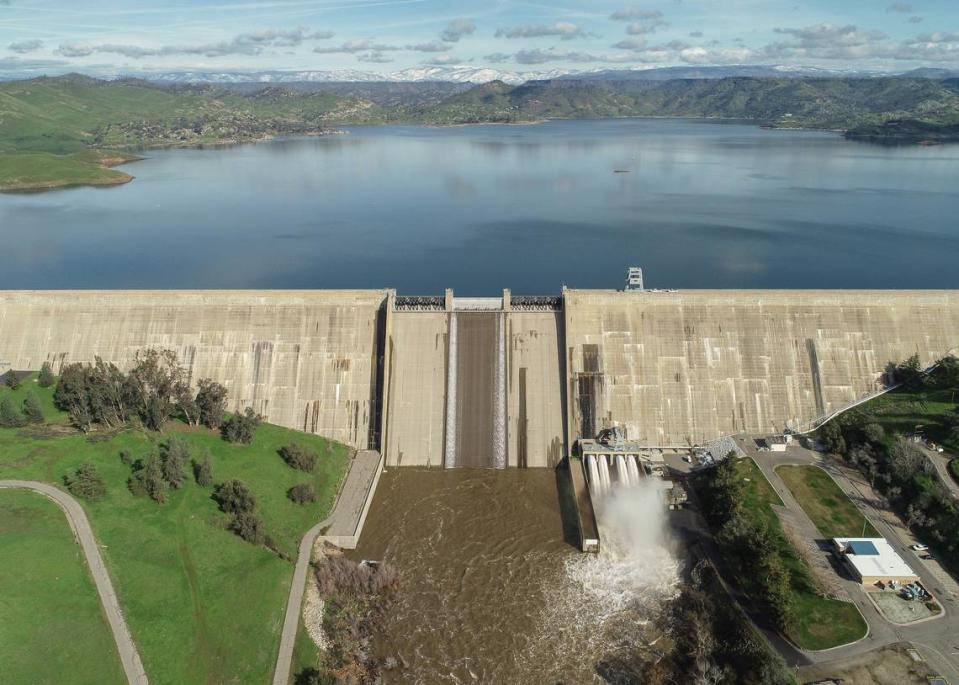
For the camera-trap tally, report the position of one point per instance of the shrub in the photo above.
(126, 458)
(46, 377)
(299, 457)
(12, 380)
(203, 472)
(147, 479)
(234, 497)
(249, 526)
(10, 417)
(86, 482)
(32, 411)
(211, 402)
(302, 493)
(241, 428)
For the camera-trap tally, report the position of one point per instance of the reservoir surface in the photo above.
(697, 204)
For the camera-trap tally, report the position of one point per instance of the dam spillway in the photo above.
(511, 381)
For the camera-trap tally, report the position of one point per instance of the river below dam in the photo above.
(495, 590)
(698, 204)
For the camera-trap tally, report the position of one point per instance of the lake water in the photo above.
(478, 209)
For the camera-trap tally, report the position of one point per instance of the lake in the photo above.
(700, 205)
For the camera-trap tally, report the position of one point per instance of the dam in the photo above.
(506, 381)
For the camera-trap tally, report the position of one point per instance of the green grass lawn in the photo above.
(204, 606)
(51, 622)
(822, 500)
(822, 623)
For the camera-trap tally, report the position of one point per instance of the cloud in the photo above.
(5, 3)
(914, 19)
(695, 34)
(374, 57)
(456, 29)
(498, 58)
(827, 41)
(900, 7)
(432, 46)
(697, 55)
(630, 44)
(443, 60)
(538, 56)
(643, 28)
(563, 29)
(24, 46)
(633, 13)
(244, 44)
(352, 47)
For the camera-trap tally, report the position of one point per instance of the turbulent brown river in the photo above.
(494, 588)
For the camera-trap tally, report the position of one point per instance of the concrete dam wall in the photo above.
(304, 359)
(680, 368)
(503, 381)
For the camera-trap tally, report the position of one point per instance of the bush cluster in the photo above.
(302, 493)
(235, 498)
(299, 457)
(241, 428)
(86, 482)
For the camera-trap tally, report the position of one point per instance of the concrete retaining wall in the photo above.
(303, 359)
(685, 367)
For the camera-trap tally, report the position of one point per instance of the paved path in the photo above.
(129, 656)
(937, 640)
(941, 462)
(345, 521)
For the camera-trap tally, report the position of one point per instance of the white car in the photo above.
(918, 547)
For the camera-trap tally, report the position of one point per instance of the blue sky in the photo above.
(109, 36)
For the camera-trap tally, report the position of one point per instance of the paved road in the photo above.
(937, 640)
(941, 462)
(129, 656)
(346, 519)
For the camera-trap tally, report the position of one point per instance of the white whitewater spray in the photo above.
(609, 601)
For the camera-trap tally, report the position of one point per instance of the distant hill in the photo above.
(794, 102)
(69, 127)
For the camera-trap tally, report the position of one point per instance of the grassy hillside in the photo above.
(203, 605)
(818, 103)
(52, 622)
(46, 123)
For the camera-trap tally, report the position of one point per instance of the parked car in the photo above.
(925, 557)
(918, 547)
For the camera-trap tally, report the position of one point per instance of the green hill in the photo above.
(55, 131)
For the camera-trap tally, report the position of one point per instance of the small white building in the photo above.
(873, 560)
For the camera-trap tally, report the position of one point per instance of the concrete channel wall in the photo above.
(678, 368)
(304, 359)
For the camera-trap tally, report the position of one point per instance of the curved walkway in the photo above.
(129, 656)
(343, 526)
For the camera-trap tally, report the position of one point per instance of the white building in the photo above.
(873, 560)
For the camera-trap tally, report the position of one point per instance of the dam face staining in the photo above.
(509, 381)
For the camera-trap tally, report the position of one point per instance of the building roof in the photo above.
(873, 557)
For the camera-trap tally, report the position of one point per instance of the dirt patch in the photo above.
(887, 666)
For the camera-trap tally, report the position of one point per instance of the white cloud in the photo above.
(456, 29)
(900, 7)
(244, 44)
(564, 30)
(374, 57)
(634, 13)
(432, 46)
(352, 47)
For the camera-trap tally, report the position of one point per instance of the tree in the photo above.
(241, 428)
(302, 493)
(777, 590)
(203, 472)
(176, 455)
(211, 403)
(46, 377)
(249, 526)
(148, 479)
(86, 482)
(832, 437)
(874, 433)
(12, 380)
(299, 457)
(32, 411)
(10, 417)
(909, 371)
(234, 497)
(947, 372)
